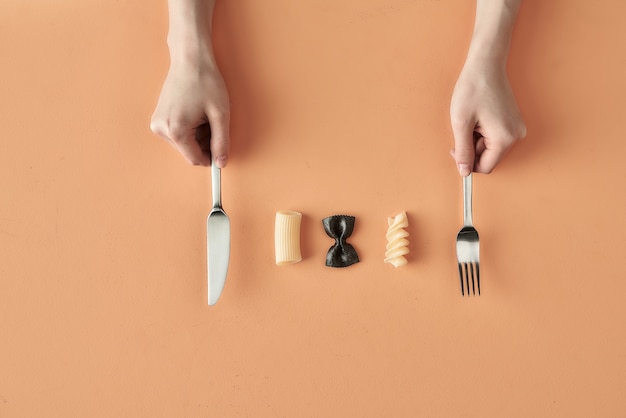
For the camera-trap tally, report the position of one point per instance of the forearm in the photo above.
(189, 36)
(492, 31)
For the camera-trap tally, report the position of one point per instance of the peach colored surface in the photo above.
(338, 107)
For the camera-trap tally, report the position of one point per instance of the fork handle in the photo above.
(467, 200)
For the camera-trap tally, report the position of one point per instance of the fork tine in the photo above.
(471, 269)
(478, 276)
(461, 278)
(467, 272)
(466, 278)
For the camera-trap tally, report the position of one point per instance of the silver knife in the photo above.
(218, 240)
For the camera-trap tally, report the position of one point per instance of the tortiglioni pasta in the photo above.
(287, 237)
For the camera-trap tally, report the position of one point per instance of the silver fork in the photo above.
(468, 246)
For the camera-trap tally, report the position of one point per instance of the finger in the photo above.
(490, 152)
(488, 160)
(180, 139)
(189, 148)
(159, 128)
(220, 136)
(464, 145)
(479, 148)
(203, 138)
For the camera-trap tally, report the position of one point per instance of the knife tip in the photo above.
(213, 301)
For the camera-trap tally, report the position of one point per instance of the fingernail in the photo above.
(465, 169)
(220, 161)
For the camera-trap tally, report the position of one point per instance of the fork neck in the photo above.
(467, 200)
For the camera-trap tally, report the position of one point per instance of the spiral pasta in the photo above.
(397, 244)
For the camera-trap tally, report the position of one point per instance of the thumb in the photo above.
(220, 137)
(464, 152)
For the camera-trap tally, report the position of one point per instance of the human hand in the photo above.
(486, 121)
(193, 112)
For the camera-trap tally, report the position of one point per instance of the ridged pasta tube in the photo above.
(397, 244)
(287, 237)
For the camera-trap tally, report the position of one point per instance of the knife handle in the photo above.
(216, 185)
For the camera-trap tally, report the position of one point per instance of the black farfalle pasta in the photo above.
(341, 254)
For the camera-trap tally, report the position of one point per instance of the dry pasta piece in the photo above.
(287, 237)
(341, 254)
(397, 244)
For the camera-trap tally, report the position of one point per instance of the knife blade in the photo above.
(218, 240)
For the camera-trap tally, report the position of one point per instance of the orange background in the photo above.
(337, 107)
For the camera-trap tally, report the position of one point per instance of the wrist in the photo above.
(189, 37)
(486, 54)
(492, 31)
(190, 49)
